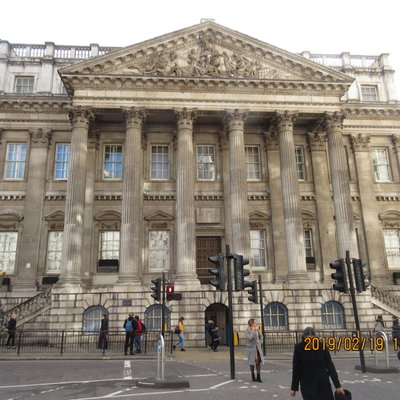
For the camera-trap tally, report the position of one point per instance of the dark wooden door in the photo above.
(205, 247)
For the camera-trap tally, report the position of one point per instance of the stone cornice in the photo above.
(34, 104)
(380, 111)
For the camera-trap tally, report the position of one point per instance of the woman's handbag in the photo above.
(177, 330)
(347, 395)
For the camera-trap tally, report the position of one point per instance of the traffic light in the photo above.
(170, 292)
(218, 270)
(340, 276)
(252, 291)
(156, 289)
(360, 275)
(239, 262)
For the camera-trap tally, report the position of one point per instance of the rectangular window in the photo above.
(308, 247)
(54, 251)
(159, 162)
(61, 164)
(24, 84)
(369, 93)
(159, 250)
(205, 163)
(257, 243)
(8, 251)
(112, 164)
(300, 166)
(392, 246)
(15, 161)
(252, 155)
(380, 162)
(109, 245)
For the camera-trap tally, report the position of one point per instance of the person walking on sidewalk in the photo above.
(103, 338)
(130, 326)
(12, 329)
(254, 352)
(179, 330)
(312, 369)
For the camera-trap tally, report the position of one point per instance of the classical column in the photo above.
(93, 145)
(291, 197)
(238, 181)
(33, 212)
(132, 199)
(224, 147)
(345, 235)
(277, 220)
(325, 216)
(375, 256)
(80, 118)
(185, 214)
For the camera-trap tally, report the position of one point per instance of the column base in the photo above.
(128, 282)
(187, 283)
(298, 276)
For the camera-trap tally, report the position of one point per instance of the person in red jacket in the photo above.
(138, 335)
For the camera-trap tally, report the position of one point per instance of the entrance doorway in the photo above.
(218, 312)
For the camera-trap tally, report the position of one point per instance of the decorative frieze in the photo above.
(40, 137)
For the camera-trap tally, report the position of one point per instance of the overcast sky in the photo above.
(361, 27)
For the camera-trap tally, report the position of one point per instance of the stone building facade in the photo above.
(118, 164)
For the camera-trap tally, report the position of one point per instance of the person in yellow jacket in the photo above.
(179, 331)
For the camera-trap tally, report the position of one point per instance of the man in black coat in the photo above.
(312, 367)
(12, 328)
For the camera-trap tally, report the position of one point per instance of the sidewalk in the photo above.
(191, 354)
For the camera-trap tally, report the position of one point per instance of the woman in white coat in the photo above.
(254, 351)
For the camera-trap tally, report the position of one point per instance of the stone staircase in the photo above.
(385, 300)
(29, 309)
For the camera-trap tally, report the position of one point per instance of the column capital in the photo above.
(81, 116)
(283, 120)
(332, 121)
(40, 137)
(395, 141)
(317, 141)
(271, 140)
(360, 143)
(134, 117)
(185, 118)
(235, 119)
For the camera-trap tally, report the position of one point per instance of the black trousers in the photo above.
(128, 342)
(103, 341)
(11, 338)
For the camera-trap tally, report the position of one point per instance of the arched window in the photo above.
(332, 314)
(276, 316)
(152, 317)
(92, 318)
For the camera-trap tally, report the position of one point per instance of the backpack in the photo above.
(128, 326)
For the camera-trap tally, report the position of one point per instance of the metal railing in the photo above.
(63, 342)
(385, 297)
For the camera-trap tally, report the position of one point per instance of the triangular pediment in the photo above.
(208, 51)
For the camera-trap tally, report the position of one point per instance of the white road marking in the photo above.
(127, 369)
(221, 384)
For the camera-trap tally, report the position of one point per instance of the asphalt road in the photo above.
(209, 379)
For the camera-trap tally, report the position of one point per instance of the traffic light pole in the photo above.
(353, 300)
(229, 276)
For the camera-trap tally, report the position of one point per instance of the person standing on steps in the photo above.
(254, 351)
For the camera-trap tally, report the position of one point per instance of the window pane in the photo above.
(369, 93)
(308, 243)
(24, 84)
(392, 246)
(257, 241)
(62, 157)
(8, 251)
(276, 316)
(153, 317)
(380, 162)
(159, 162)
(252, 162)
(54, 251)
(159, 250)
(206, 163)
(112, 165)
(109, 245)
(301, 169)
(15, 161)
(332, 315)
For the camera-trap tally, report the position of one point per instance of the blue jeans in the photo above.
(138, 343)
(181, 341)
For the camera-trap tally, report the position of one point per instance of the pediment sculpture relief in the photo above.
(205, 59)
